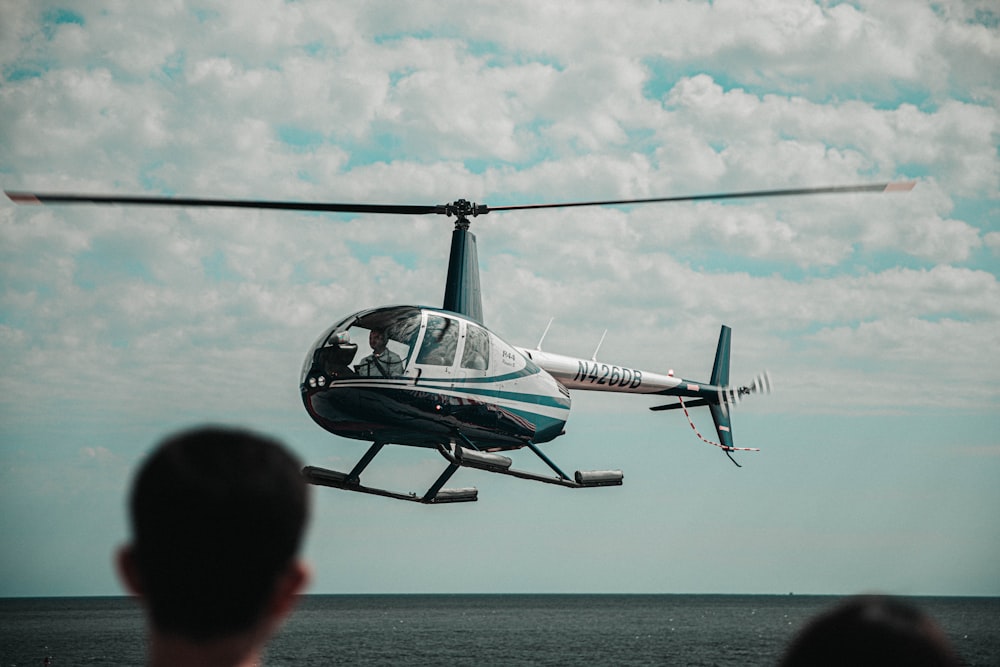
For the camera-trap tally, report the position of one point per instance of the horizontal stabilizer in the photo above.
(697, 403)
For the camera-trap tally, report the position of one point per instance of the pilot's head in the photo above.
(377, 340)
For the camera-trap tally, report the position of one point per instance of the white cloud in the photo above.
(992, 240)
(212, 128)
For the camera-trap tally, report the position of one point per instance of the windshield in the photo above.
(375, 343)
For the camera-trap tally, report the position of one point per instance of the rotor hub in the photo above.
(462, 209)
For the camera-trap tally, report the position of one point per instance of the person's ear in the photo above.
(290, 585)
(128, 570)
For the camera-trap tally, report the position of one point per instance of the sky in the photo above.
(877, 315)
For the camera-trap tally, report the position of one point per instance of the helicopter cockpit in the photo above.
(372, 343)
(403, 342)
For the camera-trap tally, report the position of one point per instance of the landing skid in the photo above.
(458, 456)
(339, 480)
(471, 457)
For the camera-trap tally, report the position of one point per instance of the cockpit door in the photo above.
(437, 351)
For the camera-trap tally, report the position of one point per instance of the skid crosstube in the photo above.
(458, 456)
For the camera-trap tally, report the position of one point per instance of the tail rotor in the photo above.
(730, 397)
(718, 396)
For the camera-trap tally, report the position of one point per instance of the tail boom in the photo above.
(716, 394)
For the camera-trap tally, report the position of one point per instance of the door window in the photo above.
(476, 354)
(440, 341)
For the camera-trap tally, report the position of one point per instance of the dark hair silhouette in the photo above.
(217, 517)
(871, 630)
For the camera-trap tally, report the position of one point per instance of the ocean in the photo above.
(709, 630)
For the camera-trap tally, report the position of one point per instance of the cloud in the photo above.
(481, 105)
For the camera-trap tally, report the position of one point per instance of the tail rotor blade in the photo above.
(761, 384)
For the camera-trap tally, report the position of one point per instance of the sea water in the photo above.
(484, 629)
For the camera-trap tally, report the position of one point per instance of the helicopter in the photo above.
(438, 378)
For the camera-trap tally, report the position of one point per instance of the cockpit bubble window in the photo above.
(440, 341)
(476, 353)
(375, 343)
(385, 339)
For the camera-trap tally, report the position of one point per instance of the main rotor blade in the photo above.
(57, 198)
(460, 208)
(903, 186)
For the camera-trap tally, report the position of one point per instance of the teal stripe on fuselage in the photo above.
(499, 378)
(444, 386)
(531, 399)
(460, 386)
(515, 375)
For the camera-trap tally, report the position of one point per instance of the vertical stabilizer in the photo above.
(720, 379)
(720, 371)
(461, 292)
(718, 396)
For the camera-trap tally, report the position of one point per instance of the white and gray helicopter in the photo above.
(438, 378)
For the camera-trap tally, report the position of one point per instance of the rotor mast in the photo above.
(462, 293)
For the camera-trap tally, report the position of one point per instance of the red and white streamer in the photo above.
(704, 439)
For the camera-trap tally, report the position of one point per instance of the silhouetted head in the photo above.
(871, 630)
(377, 340)
(217, 519)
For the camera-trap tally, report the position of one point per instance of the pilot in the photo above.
(382, 362)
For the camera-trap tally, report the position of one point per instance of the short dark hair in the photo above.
(217, 517)
(871, 630)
